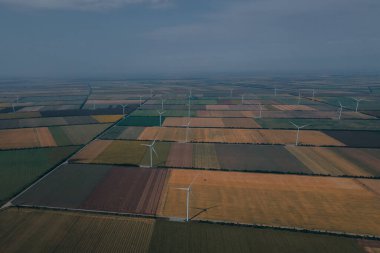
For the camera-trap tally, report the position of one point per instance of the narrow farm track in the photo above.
(9, 203)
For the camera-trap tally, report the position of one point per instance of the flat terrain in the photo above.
(320, 203)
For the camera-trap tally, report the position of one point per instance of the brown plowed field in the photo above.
(240, 123)
(130, 190)
(91, 151)
(259, 136)
(337, 161)
(322, 203)
(26, 138)
(205, 156)
(180, 155)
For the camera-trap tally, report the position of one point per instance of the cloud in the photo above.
(80, 4)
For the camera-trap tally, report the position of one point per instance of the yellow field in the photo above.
(321, 203)
(107, 118)
(259, 136)
(92, 151)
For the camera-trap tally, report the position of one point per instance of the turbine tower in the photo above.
(340, 110)
(242, 99)
(160, 113)
(140, 101)
(187, 130)
(188, 192)
(261, 110)
(298, 130)
(151, 150)
(299, 96)
(123, 109)
(357, 103)
(189, 107)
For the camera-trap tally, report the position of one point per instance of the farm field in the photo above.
(211, 122)
(321, 124)
(72, 232)
(320, 203)
(200, 237)
(107, 188)
(257, 136)
(253, 190)
(19, 168)
(339, 161)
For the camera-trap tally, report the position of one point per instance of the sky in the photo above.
(178, 38)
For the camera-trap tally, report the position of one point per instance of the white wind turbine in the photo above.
(298, 130)
(261, 110)
(275, 91)
(357, 103)
(189, 107)
(124, 108)
(340, 110)
(151, 150)
(313, 94)
(187, 130)
(231, 90)
(162, 104)
(13, 107)
(188, 192)
(140, 101)
(242, 99)
(160, 113)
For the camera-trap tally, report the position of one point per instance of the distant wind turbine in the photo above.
(123, 106)
(340, 110)
(357, 103)
(151, 150)
(187, 130)
(299, 96)
(242, 99)
(160, 113)
(298, 130)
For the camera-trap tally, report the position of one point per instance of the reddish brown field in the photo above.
(321, 203)
(128, 190)
(180, 155)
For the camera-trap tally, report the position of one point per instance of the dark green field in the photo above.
(20, 168)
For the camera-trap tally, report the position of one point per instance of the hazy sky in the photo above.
(69, 38)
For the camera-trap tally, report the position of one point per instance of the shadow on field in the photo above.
(202, 210)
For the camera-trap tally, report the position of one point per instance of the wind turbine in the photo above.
(188, 192)
(187, 130)
(123, 109)
(357, 103)
(261, 110)
(160, 113)
(242, 99)
(313, 94)
(140, 100)
(13, 107)
(298, 130)
(151, 150)
(340, 110)
(189, 107)
(231, 90)
(162, 104)
(190, 92)
(275, 91)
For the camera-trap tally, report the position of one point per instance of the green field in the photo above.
(76, 134)
(19, 168)
(141, 121)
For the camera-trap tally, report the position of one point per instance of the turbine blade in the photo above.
(182, 189)
(293, 124)
(154, 151)
(305, 126)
